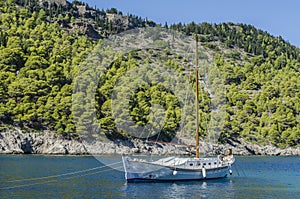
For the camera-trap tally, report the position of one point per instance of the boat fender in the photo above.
(204, 172)
(230, 170)
(174, 173)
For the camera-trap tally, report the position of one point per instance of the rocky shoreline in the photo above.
(16, 142)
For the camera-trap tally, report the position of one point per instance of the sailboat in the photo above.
(180, 168)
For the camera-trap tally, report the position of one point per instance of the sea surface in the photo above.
(38, 176)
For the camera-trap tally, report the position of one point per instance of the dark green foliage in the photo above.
(259, 88)
(243, 36)
(37, 69)
(40, 57)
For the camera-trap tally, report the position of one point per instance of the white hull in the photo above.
(173, 169)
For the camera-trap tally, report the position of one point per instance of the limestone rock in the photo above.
(46, 142)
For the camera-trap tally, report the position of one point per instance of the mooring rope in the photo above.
(56, 180)
(64, 174)
(237, 170)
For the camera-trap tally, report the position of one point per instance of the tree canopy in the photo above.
(43, 46)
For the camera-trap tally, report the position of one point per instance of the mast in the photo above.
(197, 101)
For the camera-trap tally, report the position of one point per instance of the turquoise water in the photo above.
(32, 176)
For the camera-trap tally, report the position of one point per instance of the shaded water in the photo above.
(35, 176)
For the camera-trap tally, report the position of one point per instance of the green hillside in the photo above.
(44, 45)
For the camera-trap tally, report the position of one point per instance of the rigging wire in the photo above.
(184, 113)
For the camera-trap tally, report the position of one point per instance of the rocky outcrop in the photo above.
(87, 29)
(16, 142)
(243, 148)
(118, 20)
(57, 2)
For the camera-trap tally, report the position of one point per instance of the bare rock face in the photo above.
(11, 143)
(16, 142)
(87, 29)
(57, 2)
(119, 20)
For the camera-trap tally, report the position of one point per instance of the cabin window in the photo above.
(209, 163)
(215, 162)
(191, 164)
(204, 164)
(198, 164)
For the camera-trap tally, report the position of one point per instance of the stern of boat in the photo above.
(227, 160)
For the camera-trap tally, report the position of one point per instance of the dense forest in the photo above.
(43, 45)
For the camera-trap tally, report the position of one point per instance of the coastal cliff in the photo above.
(16, 142)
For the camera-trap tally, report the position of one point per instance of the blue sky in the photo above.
(277, 17)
